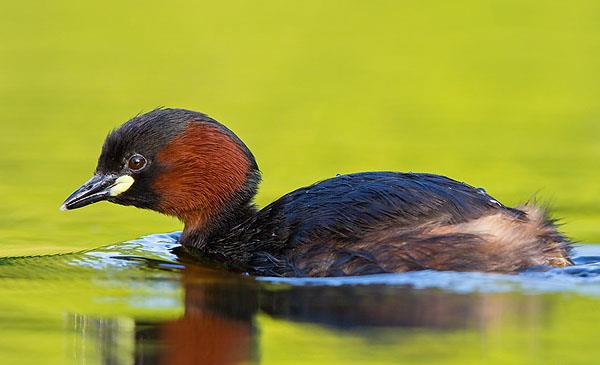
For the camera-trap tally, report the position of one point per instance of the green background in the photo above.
(501, 94)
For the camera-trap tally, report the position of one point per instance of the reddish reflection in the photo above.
(213, 330)
(199, 338)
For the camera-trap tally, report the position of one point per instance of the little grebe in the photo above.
(185, 164)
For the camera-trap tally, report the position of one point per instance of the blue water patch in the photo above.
(152, 249)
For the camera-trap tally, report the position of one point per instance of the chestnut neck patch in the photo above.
(203, 171)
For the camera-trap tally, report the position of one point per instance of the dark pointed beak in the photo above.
(96, 189)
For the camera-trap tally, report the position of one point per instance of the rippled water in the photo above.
(140, 302)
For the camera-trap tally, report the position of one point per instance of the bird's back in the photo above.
(388, 222)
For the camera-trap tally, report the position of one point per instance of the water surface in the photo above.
(140, 303)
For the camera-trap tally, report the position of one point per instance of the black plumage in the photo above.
(353, 224)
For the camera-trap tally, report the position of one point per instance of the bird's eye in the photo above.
(136, 162)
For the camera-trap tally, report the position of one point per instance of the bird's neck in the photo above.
(202, 232)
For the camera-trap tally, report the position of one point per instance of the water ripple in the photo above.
(156, 252)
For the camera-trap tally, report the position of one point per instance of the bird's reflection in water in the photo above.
(219, 322)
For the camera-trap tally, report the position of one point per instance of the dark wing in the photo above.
(350, 204)
(341, 211)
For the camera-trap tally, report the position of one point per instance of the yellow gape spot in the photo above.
(121, 185)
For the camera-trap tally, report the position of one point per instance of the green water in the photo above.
(136, 302)
(501, 94)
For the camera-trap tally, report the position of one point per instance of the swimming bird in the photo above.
(185, 164)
